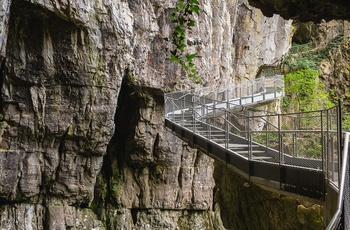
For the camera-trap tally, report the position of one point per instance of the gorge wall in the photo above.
(83, 143)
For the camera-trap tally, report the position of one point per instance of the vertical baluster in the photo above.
(252, 90)
(279, 139)
(267, 136)
(322, 142)
(249, 139)
(182, 109)
(227, 100)
(328, 144)
(193, 114)
(226, 133)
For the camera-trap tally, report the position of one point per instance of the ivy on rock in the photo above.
(182, 17)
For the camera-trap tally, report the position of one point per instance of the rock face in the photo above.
(335, 72)
(261, 209)
(83, 145)
(260, 44)
(304, 10)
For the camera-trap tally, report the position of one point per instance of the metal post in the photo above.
(240, 93)
(332, 157)
(209, 134)
(294, 143)
(214, 113)
(183, 101)
(252, 92)
(267, 135)
(341, 148)
(328, 145)
(227, 133)
(280, 139)
(227, 100)
(339, 133)
(193, 115)
(322, 142)
(209, 129)
(249, 140)
(173, 104)
(296, 137)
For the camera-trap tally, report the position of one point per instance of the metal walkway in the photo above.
(298, 154)
(291, 153)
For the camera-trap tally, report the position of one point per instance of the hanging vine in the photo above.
(182, 17)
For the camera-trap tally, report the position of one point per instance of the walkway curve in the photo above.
(193, 116)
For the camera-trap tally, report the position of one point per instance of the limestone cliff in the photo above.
(335, 72)
(83, 143)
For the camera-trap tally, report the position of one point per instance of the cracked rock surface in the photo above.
(82, 139)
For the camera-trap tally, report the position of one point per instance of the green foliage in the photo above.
(300, 61)
(346, 122)
(307, 56)
(301, 48)
(304, 92)
(299, 88)
(182, 17)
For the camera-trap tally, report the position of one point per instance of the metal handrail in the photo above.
(204, 108)
(176, 99)
(217, 89)
(337, 216)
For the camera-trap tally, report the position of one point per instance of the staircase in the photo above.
(206, 119)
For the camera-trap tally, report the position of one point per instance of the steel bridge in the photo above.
(297, 154)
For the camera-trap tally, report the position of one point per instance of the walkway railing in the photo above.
(306, 139)
(213, 98)
(307, 144)
(341, 218)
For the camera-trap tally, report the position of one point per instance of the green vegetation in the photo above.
(307, 56)
(346, 121)
(182, 17)
(304, 91)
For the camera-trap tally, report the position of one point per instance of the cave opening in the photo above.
(134, 215)
(126, 118)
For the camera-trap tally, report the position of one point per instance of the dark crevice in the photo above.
(179, 177)
(134, 215)
(126, 118)
(155, 146)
